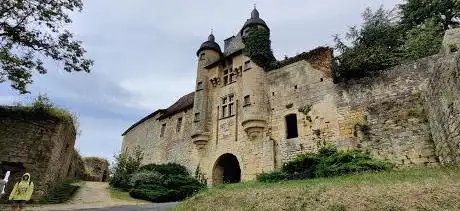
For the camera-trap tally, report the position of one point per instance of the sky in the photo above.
(145, 55)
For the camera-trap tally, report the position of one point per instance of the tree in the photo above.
(32, 31)
(422, 41)
(125, 165)
(371, 48)
(417, 12)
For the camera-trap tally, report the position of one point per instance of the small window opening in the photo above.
(199, 86)
(247, 100)
(197, 117)
(291, 126)
(179, 124)
(163, 128)
(295, 87)
(273, 93)
(202, 56)
(321, 79)
(247, 65)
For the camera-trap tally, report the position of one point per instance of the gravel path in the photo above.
(151, 207)
(95, 196)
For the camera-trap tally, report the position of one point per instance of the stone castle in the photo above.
(242, 120)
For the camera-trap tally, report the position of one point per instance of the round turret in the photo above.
(209, 45)
(255, 20)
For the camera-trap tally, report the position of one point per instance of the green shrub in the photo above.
(166, 169)
(61, 192)
(125, 166)
(145, 177)
(275, 176)
(328, 162)
(303, 166)
(348, 162)
(156, 187)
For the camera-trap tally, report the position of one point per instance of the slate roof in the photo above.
(254, 20)
(185, 102)
(209, 45)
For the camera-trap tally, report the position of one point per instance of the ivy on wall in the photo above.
(258, 47)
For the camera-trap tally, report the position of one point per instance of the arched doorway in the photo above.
(226, 170)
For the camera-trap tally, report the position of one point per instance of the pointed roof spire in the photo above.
(210, 44)
(211, 37)
(255, 20)
(254, 13)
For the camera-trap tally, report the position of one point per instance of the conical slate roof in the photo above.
(254, 20)
(209, 45)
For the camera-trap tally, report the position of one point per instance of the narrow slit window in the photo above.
(197, 117)
(162, 131)
(179, 124)
(226, 77)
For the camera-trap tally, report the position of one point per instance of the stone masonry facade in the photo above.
(408, 115)
(33, 141)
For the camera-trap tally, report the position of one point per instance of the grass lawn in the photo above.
(409, 189)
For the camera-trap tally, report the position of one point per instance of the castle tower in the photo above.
(209, 52)
(255, 116)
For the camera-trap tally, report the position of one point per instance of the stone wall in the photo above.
(295, 86)
(77, 167)
(97, 168)
(443, 106)
(35, 142)
(176, 146)
(385, 114)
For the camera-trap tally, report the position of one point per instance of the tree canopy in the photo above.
(32, 31)
(387, 38)
(417, 12)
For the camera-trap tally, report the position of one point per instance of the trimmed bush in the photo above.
(166, 169)
(156, 187)
(328, 162)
